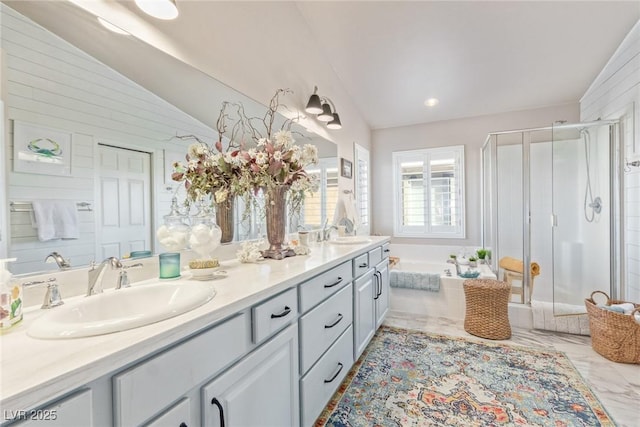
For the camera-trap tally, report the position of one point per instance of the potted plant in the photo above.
(473, 261)
(482, 254)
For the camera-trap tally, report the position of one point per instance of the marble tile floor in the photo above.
(617, 385)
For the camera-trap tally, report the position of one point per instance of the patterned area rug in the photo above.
(408, 378)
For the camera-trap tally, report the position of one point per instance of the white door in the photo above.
(125, 201)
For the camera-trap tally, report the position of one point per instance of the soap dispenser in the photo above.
(10, 297)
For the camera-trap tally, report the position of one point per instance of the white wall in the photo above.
(615, 93)
(470, 132)
(53, 84)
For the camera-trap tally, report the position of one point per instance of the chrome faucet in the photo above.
(52, 298)
(326, 232)
(454, 261)
(95, 274)
(123, 279)
(63, 264)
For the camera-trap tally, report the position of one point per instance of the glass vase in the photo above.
(276, 211)
(224, 218)
(205, 233)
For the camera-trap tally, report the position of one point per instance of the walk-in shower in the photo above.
(552, 196)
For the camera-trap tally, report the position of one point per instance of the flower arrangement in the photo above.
(208, 172)
(212, 171)
(274, 160)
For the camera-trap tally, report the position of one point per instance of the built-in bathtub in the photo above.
(448, 302)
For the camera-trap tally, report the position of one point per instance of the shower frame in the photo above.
(489, 199)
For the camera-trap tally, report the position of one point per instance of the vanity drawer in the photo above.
(274, 314)
(386, 250)
(178, 416)
(317, 387)
(314, 290)
(375, 255)
(321, 326)
(360, 265)
(148, 388)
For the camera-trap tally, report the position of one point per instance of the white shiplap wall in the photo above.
(615, 93)
(51, 83)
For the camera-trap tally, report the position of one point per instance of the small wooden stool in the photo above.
(509, 277)
(487, 308)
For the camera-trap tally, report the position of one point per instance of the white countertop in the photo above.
(34, 371)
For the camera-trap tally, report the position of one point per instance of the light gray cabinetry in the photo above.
(179, 415)
(261, 390)
(322, 326)
(364, 316)
(76, 410)
(319, 384)
(382, 293)
(274, 314)
(147, 389)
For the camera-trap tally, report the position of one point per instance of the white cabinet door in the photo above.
(382, 295)
(364, 316)
(76, 410)
(261, 390)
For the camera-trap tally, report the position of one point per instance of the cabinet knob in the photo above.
(183, 425)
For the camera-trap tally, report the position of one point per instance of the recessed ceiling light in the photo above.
(161, 9)
(431, 102)
(109, 26)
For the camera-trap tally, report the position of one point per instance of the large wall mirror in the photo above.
(117, 121)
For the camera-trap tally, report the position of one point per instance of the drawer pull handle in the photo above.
(334, 323)
(387, 250)
(363, 265)
(337, 282)
(183, 425)
(284, 312)
(340, 366)
(219, 405)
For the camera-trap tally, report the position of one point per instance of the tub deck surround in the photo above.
(35, 371)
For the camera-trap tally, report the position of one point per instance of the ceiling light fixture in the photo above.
(325, 110)
(431, 102)
(161, 9)
(111, 27)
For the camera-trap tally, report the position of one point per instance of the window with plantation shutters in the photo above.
(321, 205)
(362, 187)
(429, 193)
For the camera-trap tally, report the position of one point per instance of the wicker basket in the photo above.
(487, 308)
(615, 336)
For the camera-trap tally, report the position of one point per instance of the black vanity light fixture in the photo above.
(161, 9)
(324, 109)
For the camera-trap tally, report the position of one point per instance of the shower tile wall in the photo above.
(615, 93)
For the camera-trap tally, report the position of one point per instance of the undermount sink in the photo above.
(115, 311)
(350, 240)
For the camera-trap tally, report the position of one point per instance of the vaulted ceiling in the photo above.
(383, 59)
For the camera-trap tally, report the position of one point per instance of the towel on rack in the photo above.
(56, 219)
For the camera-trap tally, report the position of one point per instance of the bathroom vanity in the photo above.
(269, 349)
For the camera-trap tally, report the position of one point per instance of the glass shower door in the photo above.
(581, 214)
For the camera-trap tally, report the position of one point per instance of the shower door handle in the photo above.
(554, 220)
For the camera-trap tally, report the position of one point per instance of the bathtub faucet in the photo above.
(455, 262)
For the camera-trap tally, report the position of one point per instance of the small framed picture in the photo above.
(346, 168)
(40, 149)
